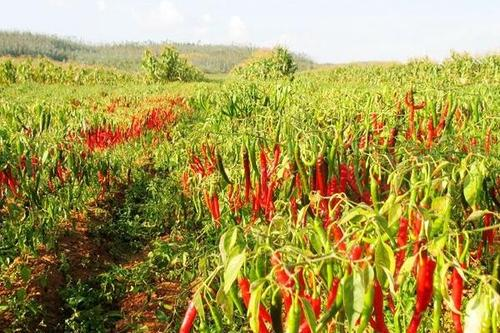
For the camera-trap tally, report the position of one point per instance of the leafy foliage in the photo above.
(277, 65)
(169, 66)
(45, 71)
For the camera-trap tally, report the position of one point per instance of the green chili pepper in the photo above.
(496, 274)
(293, 320)
(233, 295)
(302, 170)
(374, 191)
(276, 309)
(367, 307)
(253, 158)
(222, 171)
(323, 238)
(438, 303)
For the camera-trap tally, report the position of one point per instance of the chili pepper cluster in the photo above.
(355, 233)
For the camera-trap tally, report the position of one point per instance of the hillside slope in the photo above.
(126, 56)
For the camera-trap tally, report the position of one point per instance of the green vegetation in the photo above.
(169, 66)
(127, 56)
(356, 198)
(42, 70)
(278, 64)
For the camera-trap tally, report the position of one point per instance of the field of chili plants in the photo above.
(344, 199)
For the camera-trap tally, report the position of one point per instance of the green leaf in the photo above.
(25, 273)
(388, 204)
(232, 269)
(198, 304)
(229, 243)
(393, 216)
(437, 245)
(363, 211)
(442, 205)
(309, 313)
(354, 291)
(473, 183)
(225, 303)
(406, 268)
(254, 304)
(384, 259)
(161, 316)
(348, 298)
(474, 314)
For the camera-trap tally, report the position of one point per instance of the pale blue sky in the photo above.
(328, 31)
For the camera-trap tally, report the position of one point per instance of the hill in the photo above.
(127, 56)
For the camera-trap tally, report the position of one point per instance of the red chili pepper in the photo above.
(442, 120)
(321, 175)
(430, 132)
(332, 294)
(378, 308)
(189, 318)
(283, 276)
(356, 252)
(264, 176)
(216, 209)
(8, 179)
(487, 141)
(401, 242)
(416, 223)
(488, 235)
(425, 275)
(410, 103)
(264, 315)
(391, 142)
(248, 181)
(277, 154)
(457, 288)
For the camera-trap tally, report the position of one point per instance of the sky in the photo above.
(334, 31)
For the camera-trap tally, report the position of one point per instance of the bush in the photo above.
(169, 66)
(277, 65)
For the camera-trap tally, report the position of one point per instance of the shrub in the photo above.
(169, 66)
(277, 65)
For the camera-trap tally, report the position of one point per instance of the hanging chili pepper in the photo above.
(437, 306)
(367, 307)
(248, 181)
(391, 141)
(430, 133)
(487, 141)
(402, 241)
(425, 274)
(488, 235)
(378, 308)
(332, 293)
(284, 278)
(457, 289)
(292, 322)
(189, 318)
(276, 312)
(222, 170)
(264, 315)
